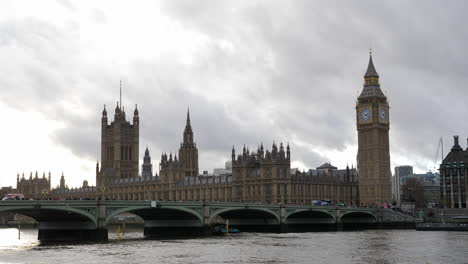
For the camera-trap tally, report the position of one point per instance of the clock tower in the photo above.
(373, 124)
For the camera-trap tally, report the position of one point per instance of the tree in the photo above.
(413, 191)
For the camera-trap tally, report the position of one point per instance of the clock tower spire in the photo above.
(373, 159)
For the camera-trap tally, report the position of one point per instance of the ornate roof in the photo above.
(371, 91)
(371, 72)
(327, 166)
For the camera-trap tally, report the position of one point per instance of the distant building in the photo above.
(33, 187)
(6, 190)
(330, 183)
(223, 171)
(454, 177)
(62, 191)
(430, 185)
(262, 175)
(400, 171)
(119, 148)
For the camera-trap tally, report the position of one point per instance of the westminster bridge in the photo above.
(88, 219)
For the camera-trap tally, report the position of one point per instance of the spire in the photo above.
(136, 110)
(371, 82)
(371, 72)
(188, 117)
(136, 119)
(120, 93)
(188, 134)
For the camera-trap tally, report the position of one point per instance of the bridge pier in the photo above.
(70, 231)
(174, 228)
(284, 228)
(167, 232)
(50, 235)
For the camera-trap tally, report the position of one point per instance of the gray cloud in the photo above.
(270, 71)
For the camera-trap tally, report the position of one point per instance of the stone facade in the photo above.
(35, 187)
(373, 159)
(454, 177)
(260, 176)
(119, 148)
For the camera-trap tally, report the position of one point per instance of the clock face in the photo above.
(383, 114)
(365, 115)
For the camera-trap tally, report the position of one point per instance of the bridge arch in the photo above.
(358, 217)
(245, 212)
(143, 211)
(56, 214)
(310, 216)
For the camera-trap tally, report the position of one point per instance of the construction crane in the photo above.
(440, 147)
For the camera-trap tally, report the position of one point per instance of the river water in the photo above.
(371, 246)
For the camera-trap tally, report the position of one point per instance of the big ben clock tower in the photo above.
(373, 124)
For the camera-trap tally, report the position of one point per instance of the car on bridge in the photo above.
(13, 196)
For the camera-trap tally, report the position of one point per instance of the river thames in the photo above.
(371, 246)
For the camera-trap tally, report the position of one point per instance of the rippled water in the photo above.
(372, 246)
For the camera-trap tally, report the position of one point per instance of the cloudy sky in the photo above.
(250, 71)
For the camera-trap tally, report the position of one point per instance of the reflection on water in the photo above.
(372, 246)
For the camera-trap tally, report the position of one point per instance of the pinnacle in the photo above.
(371, 72)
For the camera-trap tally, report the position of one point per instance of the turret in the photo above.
(104, 116)
(62, 181)
(117, 112)
(456, 146)
(274, 151)
(281, 151)
(136, 119)
(233, 154)
(261, 150)
(288, 152)
(188, 133)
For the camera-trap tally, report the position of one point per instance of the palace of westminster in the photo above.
(264, 175)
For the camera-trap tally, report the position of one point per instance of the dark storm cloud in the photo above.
(283, 71)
